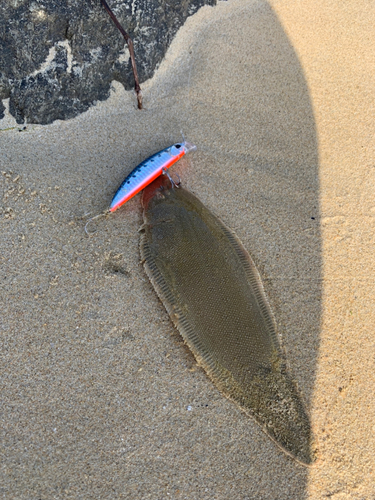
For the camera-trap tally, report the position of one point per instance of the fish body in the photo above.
(214, 295)
(147, 171)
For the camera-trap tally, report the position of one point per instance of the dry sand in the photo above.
(100, 398)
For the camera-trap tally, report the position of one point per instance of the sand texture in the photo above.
(100, 398)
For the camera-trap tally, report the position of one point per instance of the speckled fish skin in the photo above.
(213, 293)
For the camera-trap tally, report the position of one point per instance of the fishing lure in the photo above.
(144, 174)
(147, 171)
(213, 293)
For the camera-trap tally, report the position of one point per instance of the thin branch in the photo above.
(129, 42)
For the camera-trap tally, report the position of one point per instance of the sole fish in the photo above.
(213, 293)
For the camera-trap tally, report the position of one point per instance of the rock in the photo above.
(59, 58)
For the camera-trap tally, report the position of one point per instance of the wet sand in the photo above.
(100, 397)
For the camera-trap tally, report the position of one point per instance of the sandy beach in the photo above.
(100, 398)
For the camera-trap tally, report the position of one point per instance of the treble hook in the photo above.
(174, 184)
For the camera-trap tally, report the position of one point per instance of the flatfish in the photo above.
(213, 293)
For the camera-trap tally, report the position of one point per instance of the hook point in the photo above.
(103, 214)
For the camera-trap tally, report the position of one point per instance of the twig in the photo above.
(129, 42)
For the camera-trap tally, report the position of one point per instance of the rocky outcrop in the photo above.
(58, 57)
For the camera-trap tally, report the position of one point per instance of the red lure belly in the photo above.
(147, 171)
